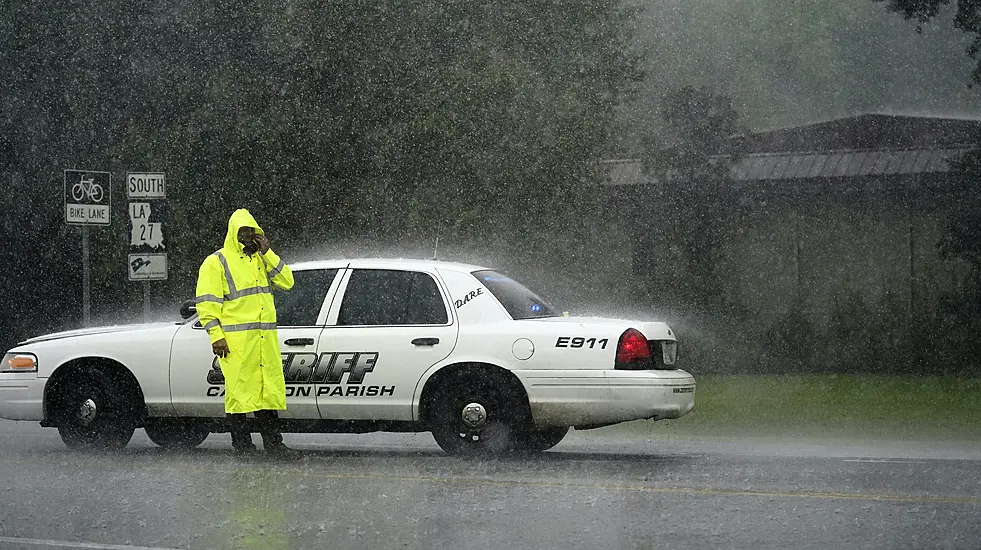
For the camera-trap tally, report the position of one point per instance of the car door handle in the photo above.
(299, 342)
(425, 341)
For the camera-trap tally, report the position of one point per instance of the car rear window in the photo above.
(520, 302)
(379, 297)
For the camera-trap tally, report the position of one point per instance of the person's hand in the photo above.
(220, 348)
(263, 242)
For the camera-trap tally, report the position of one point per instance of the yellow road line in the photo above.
(552, 484)
(76, 544)
(656, 489)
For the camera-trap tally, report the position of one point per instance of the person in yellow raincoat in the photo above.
(235, 305)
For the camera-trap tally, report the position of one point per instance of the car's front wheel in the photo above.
(93, 413)
(477, 419)
(176, 433)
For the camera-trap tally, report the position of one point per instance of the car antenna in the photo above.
(436, 248)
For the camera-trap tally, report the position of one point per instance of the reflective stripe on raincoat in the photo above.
(235, 302)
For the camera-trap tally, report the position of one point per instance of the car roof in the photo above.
(385, 263)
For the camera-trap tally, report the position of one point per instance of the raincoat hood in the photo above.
(240, 218)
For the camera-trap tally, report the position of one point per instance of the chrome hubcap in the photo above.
(474, 415)
(87, 412)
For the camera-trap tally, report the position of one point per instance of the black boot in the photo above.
(241, 437)
(272, 438)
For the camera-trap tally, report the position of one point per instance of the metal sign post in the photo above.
(86, 279)
(147, 192)
(88, 201)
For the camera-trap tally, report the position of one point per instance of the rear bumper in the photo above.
(655, 395)
(603, 397)
(22, 396)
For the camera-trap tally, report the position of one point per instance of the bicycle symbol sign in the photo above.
(88, 197)
(87, 188)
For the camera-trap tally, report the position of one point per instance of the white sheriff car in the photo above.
(368, 345)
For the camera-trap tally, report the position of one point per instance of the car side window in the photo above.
(300, 305)
(391, 297)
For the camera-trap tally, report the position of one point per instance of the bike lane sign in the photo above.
(88, 197)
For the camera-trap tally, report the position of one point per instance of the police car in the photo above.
(458, 350)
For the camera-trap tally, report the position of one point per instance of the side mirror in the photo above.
(189, 309)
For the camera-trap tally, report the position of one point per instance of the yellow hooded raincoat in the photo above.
(235, 302)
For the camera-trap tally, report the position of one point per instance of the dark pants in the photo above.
(268, 423)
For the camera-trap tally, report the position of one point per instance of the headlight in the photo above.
(19, 362)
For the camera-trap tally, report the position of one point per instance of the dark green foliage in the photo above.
(967, 18)
(689, 158)
(874, 335)
(790, 343)
(957, 320)
(962, 240)
(697, 124)
(374, 121)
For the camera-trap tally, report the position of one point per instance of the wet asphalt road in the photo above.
(601, 489)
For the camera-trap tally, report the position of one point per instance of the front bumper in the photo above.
(22, 396)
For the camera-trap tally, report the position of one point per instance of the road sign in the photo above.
(147, 267)
(88, 197)
(146, 185)
(148, 216)
(147, 234)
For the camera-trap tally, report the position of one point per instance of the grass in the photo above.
(841, 406)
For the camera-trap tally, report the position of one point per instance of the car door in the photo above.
(300, 316)
(388, 328)
(196, 382)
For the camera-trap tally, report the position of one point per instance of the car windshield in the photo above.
(520, 302)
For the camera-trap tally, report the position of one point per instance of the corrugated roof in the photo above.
(865, 132)
(831, 164)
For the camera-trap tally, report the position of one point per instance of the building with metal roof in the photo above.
(864, 145)
(833, 225)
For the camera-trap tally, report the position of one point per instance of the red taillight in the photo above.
(633, 348)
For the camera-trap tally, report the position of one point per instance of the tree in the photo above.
(699, 124)
(788, 63)
(967, 18)
(689, 158)
(376, 121)
(962, 238)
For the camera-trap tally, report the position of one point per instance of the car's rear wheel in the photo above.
(94, 413)
(176, 433)
(475, 418)
(541, 439)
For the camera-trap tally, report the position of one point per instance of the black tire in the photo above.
(542, 439)
(93, 413)
(173, 433)
(495, 436)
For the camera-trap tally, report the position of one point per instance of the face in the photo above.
(246, 236)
